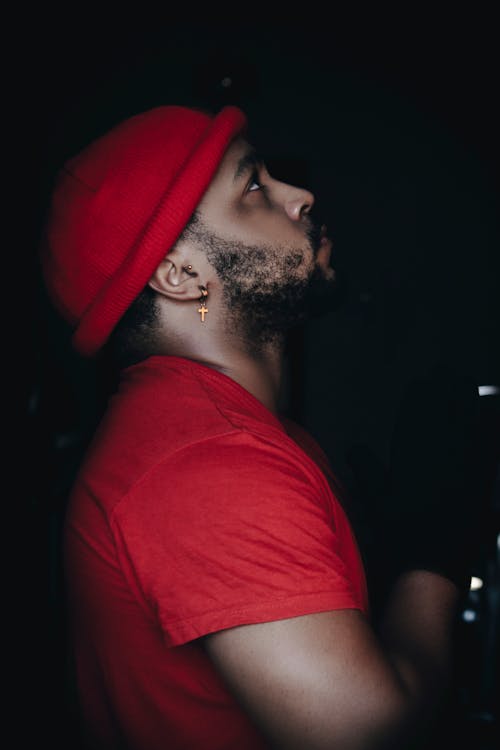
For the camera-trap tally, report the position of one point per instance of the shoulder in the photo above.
(237, 472)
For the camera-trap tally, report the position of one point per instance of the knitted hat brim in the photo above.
(160, 233)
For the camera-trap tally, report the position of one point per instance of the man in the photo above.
(216, 593)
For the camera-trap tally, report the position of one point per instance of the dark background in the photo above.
(393, 123)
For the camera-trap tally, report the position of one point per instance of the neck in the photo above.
(221, 345)
(260, 374)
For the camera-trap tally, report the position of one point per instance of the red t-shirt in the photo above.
(194, 510)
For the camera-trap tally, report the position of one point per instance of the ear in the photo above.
(172, 280)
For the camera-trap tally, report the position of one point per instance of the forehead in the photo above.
(232, 161)
(224, 185)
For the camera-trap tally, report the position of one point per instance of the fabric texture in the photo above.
(119, 206)
(195, 509)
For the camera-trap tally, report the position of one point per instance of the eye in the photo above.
(254, 183)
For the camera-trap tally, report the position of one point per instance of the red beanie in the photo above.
(119, 206)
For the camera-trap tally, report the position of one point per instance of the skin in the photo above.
(331, 679)
(240, 211)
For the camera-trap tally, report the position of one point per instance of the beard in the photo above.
(268, 289)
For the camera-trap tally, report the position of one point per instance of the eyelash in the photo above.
(255, 179)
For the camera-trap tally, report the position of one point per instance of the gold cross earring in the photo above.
(202, 308)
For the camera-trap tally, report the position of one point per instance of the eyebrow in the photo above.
(247, 162)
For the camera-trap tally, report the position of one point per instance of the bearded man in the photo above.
(216, 591)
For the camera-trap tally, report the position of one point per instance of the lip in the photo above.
(324, 251)
(324, 239)
(323, 255)
(325, 242)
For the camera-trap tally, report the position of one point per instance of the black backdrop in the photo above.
(392, 122)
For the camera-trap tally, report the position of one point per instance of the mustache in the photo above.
(313, 232)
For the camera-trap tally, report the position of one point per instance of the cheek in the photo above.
(257, 221)
(285, 265)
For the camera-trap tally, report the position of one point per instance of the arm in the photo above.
(327, 680)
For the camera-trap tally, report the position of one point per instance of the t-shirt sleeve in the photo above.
(232, 531)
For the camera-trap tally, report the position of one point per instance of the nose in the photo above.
(298, 202)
